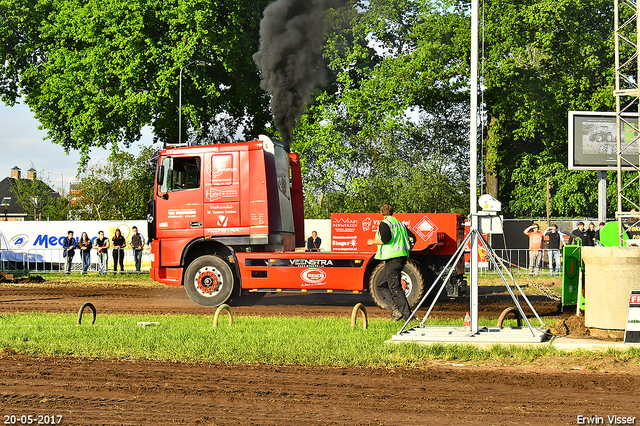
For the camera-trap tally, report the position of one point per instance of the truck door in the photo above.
(222, 194)
(179, 198)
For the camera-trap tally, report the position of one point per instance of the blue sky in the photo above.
(22, 144)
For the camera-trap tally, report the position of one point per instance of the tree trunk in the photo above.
(491, 160)
(492, 185)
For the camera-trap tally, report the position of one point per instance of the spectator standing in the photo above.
(313, 242)
(535, 248)
(580, 234)
(555, 244)
(600, 226)
(137, 244)
(591, 235)
(102, 244)
(85, 251)
(69, 246)
(118, 251)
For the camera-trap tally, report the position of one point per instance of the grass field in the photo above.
(251, 339)
(272, 340)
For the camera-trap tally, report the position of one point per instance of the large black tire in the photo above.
(412, 277)
(209, 281)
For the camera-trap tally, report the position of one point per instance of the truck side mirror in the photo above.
(160, 177)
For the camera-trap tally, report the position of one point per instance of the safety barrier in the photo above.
(43, 260)
(517, 260)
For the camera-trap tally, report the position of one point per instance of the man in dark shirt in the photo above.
(101, 246)
(137, 243)
(555, 243)
(313, 242)
(580, 234)
(69, 246)
(600, 226)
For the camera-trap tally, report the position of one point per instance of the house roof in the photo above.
(14, 208)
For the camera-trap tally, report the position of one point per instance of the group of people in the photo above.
(102, 244)
(587, 236)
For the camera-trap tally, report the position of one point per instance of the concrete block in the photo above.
(610, 275)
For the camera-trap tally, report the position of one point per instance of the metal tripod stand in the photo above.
(405, 332)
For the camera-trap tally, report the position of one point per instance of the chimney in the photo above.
(15, 173)
(31, 174)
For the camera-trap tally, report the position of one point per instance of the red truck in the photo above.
(227, 221)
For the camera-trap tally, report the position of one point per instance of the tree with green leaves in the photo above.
(543, 60)
(397, 64)
(390, 126)
(118, 188)
(95, 72)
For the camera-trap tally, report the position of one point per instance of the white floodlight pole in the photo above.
(61, 183)
(473, 173)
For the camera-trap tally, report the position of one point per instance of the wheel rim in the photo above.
(407, 283)
(208, 281)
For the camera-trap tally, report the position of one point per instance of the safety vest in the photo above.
(399, 244)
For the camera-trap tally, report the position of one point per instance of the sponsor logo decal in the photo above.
(351, 244)
(19, 241)
(311, 262)
(214, 194)
(313, 276)
(222, 221)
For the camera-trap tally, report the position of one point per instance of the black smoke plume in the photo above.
(291, 39)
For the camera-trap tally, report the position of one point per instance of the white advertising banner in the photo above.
(42, 240)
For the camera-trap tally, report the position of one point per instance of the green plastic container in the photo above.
(571, 276)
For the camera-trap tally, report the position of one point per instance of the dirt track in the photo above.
(128, 298)
(134, 392)
(94, 392)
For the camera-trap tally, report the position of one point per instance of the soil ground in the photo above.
(139, 392)
(119, 296)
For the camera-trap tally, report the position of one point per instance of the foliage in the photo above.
(543, 60)
(96, 71)
(400, 68)
(57, 209)
(119, 188)
(391, 125)
(36, 196)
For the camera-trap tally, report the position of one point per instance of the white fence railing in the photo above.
(41, 260)
(515, 259)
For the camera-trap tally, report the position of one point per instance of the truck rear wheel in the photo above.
(412, 282)
(208, 281)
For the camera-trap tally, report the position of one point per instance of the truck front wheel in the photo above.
(412, 283)
(208, 281)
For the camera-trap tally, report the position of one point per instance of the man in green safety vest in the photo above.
(394, 245)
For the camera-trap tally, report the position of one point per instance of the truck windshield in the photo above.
(180, 174)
